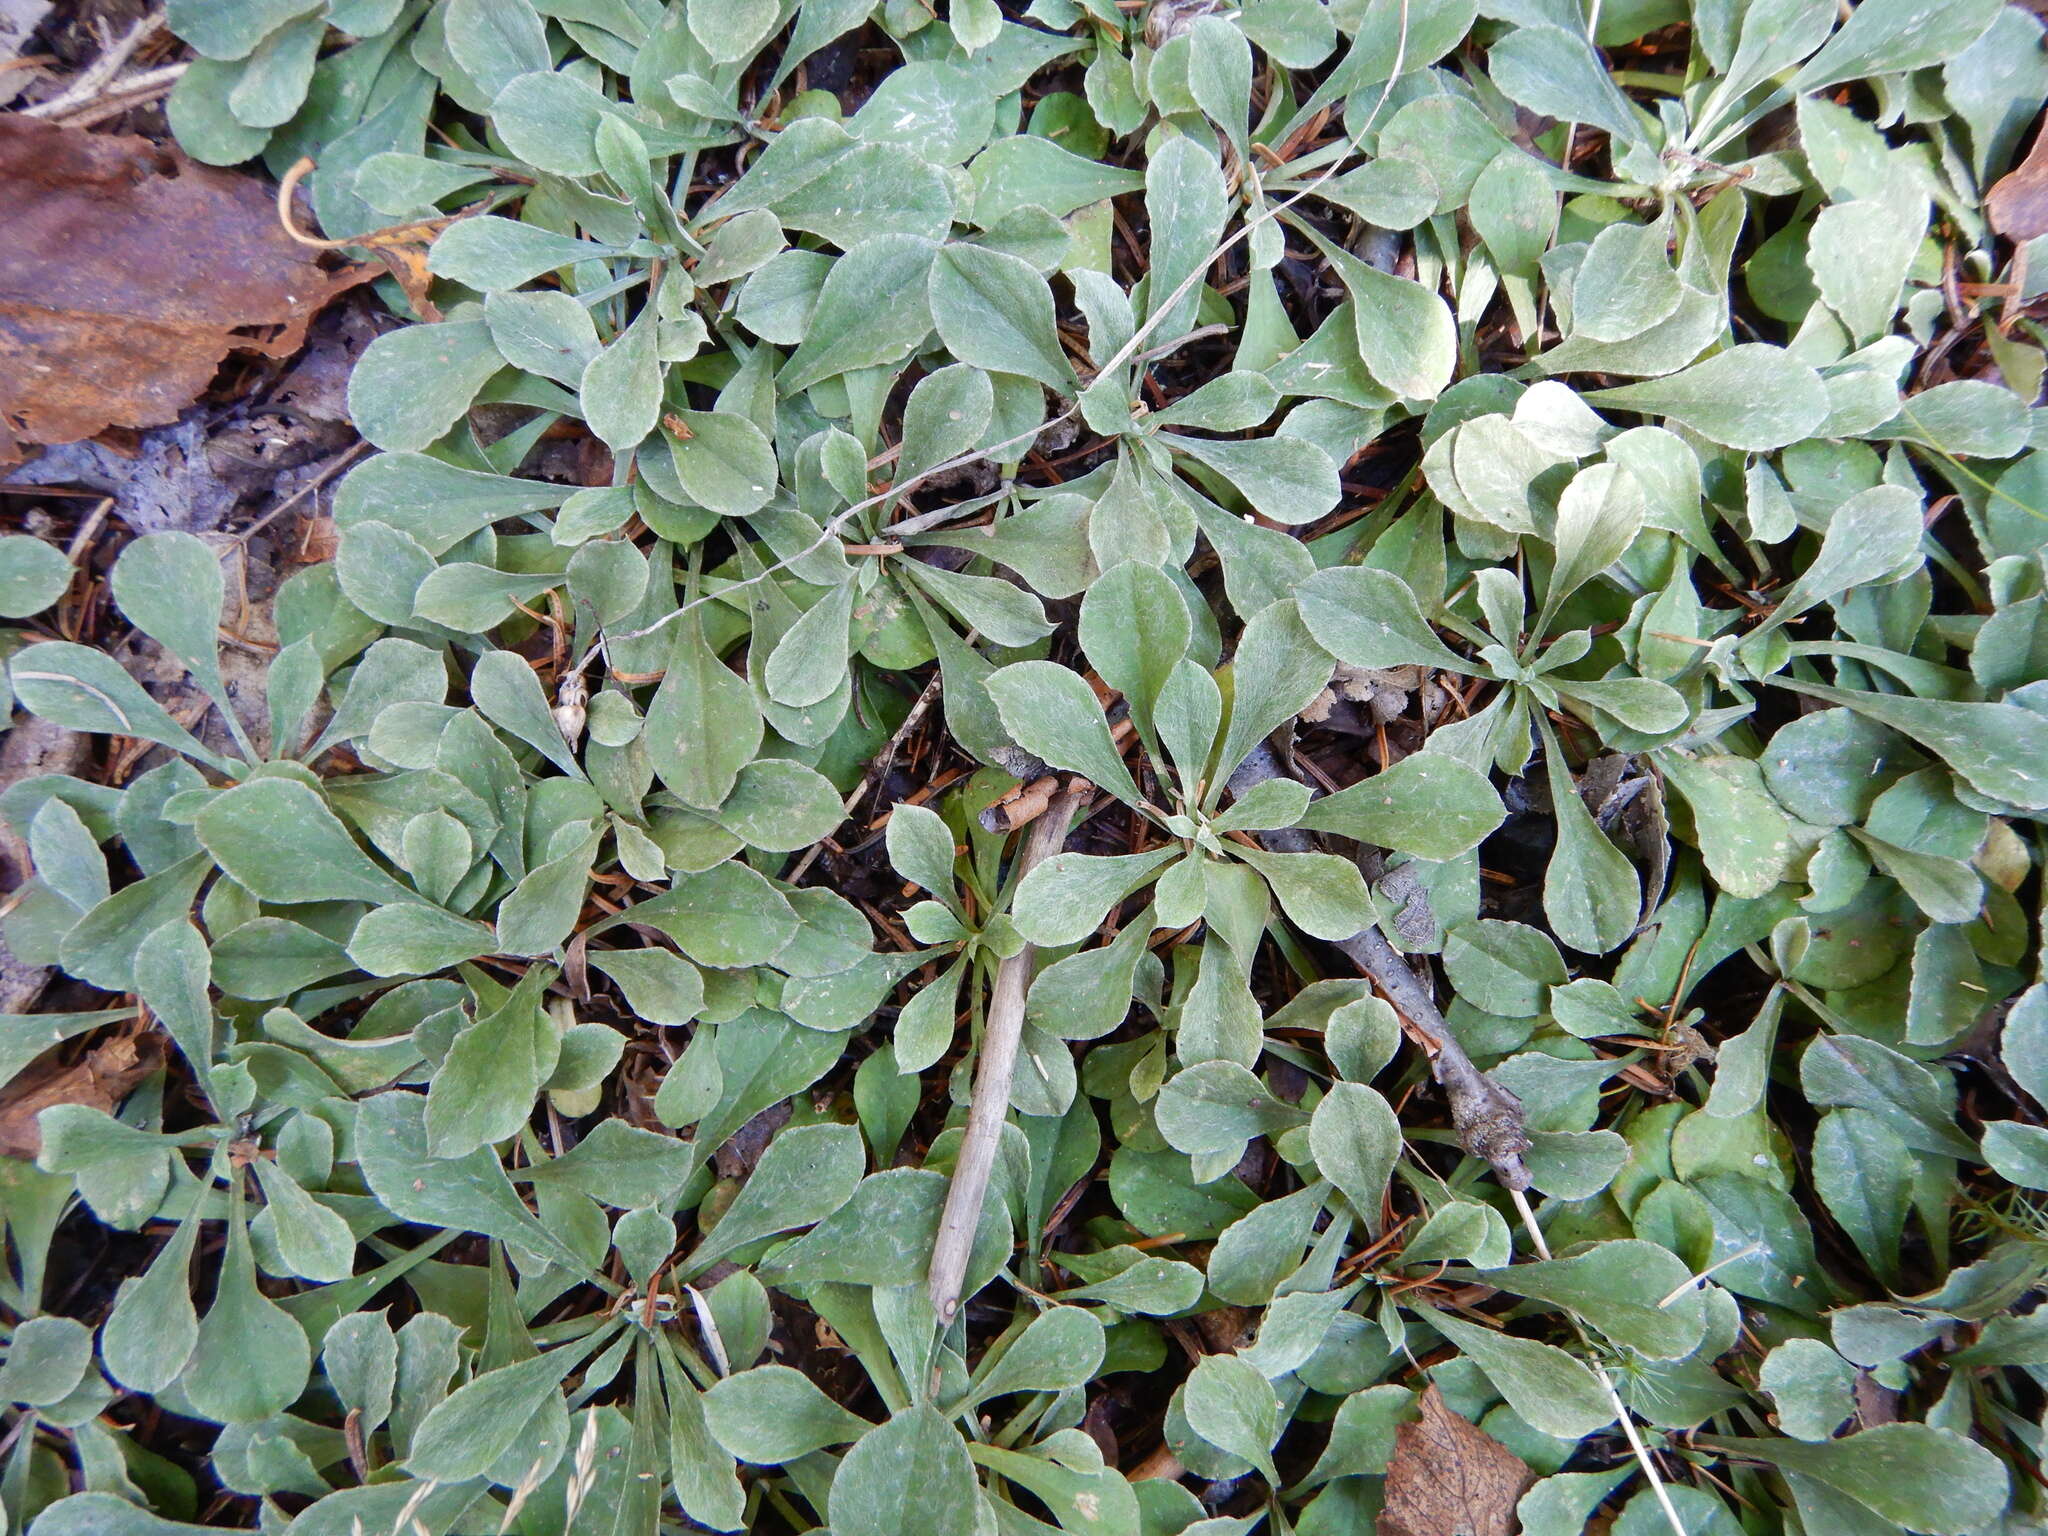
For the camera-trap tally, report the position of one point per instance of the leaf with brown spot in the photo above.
(1448, 1477)
(127, 272)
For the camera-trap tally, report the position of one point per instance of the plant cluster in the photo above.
(1440, 487)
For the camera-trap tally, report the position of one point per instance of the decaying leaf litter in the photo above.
(1515, 538)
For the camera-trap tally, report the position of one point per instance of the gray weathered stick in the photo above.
(993, 1072)
(1487, 1116)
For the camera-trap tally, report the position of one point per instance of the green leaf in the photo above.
(484, 1090)
(1752, 396)
(1052, 713)
(1066, 896)
(1620, 1288)
(493, 254)
(1185, 210)
(1429, 804)
(1406, 333)
(106, 1514)
(496, 43)
(1626, 284)
(1060, 1349)
(1555, 72)
(33, 575)
(620, 390)
(1998, 748)
(1322, 894)
(1893, 36)
(86, 690)
(1590, 891)
(1930, 1479)
(505, 691)
(434, 503)
(805, 1175)
(1233, 1407)
(722, 917)
(1554, 1392)
(466, 1194)
(277, 838)
(780, 805)
(1356, 1141)
(410, 938)
(908, 1477)
(1218, 1106)
(154, 1326)
(413, 384)
(724, 461)
(230, 34)
(994, 311)
(1277, 670)
(1743, 836)
(251, 1358)
(1289, 479)
(872, 311)
(313, 1240)
(47, 1359)
(1863, 1074)
(1370, 618)
(772, 1414)
(1134, 630)
(702, 726)
(467, 1431)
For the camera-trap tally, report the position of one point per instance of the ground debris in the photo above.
(1448, 1475)
(127, 272)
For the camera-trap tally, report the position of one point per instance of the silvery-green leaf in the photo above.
(1930, 1479)
(1546, 1386)
(1356, 1141)
(496, 43)
(1752, 396)
(1513, 209)
(620, 391)
(994, 311)
(494, 254)
(1185, 208)
(1860, 251)
(1052, 713)
(908, 1477)
(1997, 748)
(1063, 898)
(871, 310)
(1429, 804)
(1626, 283)
(772, 1414)
(504, 689)
(33, 575)
(1892, 36)
(938, 111)
(1005, 613)
(1555, 71)
(702, 725)
(278, 839)
(83, 689)
(414, 383)
(1290, 480)
(1969, 418)
(1370, 618)
(1277, 670)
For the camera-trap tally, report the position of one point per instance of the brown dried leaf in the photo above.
(2017, 203)
(1448, 1477)
(102, 1078)
(127, 272)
